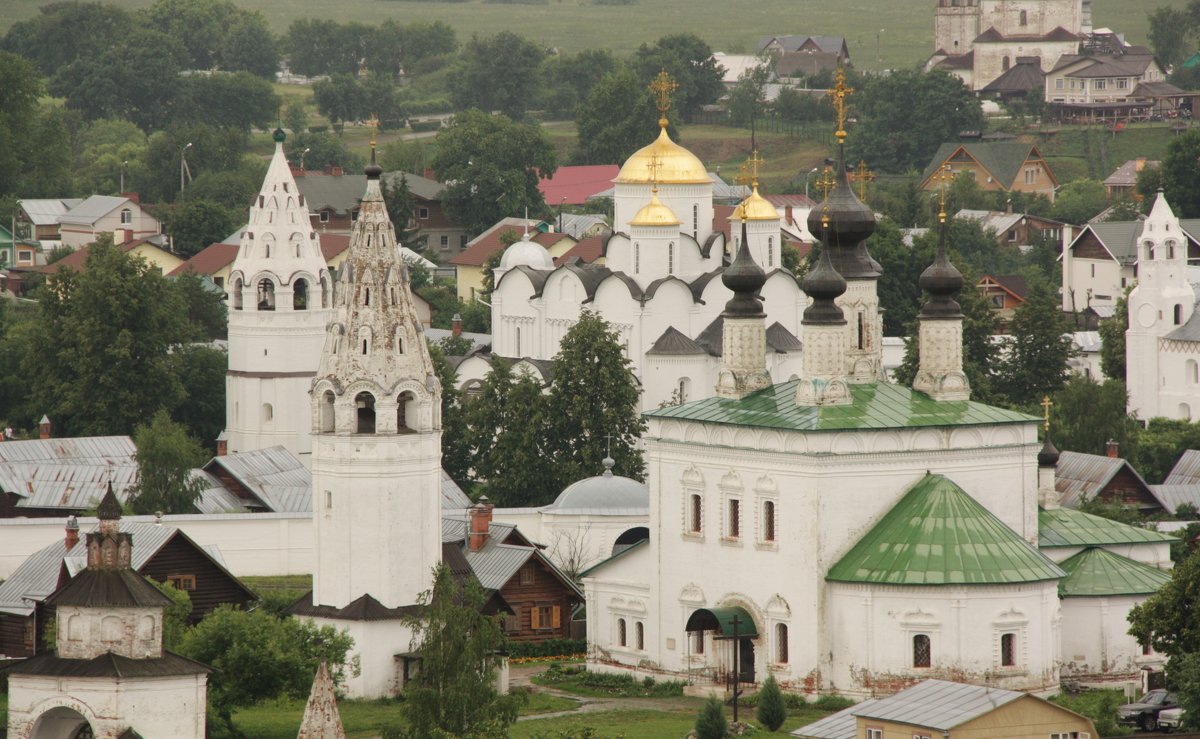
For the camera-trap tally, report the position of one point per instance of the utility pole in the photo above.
(183, 169)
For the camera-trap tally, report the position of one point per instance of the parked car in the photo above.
(1144, 712)
(1170, 719)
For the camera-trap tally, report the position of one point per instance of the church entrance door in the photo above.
(746, 659)
(61, 723)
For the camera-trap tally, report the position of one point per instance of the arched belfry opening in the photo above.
(364, 408)
(406, 413)
(300, 295)
(266, 294)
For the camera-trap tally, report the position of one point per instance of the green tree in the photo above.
(1181, 176)
(1159, 445)
(194, 224)
(106, 148)
(771, 711)
(796, 106)
(63, 32)
(211, 150)
(569, 79)
(1087, 414)
(456, 450)
(295, 116)
(477, 81)
(383, 99)
(516, 472)
(617, 118)
(1169, 32)
(402, 156)
(249, 46)
(747, 101)
(1079, 201)
(1112, 340)
(1036, 364)
(100, 350)
(324, 150)
(341, 98)
(593, 396)
(198, 25)
(402, 209)
(257, 656)
(711, 723)
(166, 456)
(240, 100)
(176, 615)
(455, 693)
(689, 60)
(1166, 620)
(201, 370)
(905, 116)
(493, 167)
(315, 46)
(18, 106)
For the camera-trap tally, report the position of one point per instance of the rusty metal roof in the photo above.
(1081, 477)
(71, 474)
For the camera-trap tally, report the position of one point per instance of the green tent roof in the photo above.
(1097, 572)
(875, 406)
(1067, 527)
(939, 535)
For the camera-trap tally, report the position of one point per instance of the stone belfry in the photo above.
(280, 295)
(376, 424)
(845, 224)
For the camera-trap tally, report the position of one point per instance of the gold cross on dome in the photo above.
(654, 165)
(754, 163)
(826, 182)
(662, 87)
(943, 178)
(1046, 404)
(838, 93)
(862, 176)
(374, 123)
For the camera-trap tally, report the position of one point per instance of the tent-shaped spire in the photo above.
(321, 717)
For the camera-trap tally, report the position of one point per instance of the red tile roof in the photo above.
(588, 250)
(77, 259)
(577, 183)
(334, 244)
(208, 260)
(487, 244)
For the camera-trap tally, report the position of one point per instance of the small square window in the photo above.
(182, 582)
(422, 212)
(527, 576)
(445, 241)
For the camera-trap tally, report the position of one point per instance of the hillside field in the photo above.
(904, 28)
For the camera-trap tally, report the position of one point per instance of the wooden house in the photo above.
(1109, 478)
(998, 166)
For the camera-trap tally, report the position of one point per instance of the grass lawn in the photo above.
(1094, 151)
(904, 28)
(647, 724)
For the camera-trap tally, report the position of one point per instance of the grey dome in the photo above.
(605, 494)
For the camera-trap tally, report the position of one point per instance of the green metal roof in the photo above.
(939, 535)
(613, 558)
(874, 406)
(721, 621)
(1067, 527)
(1098, 572)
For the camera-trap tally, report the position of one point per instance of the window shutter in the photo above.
(533, 618)
(555, 617)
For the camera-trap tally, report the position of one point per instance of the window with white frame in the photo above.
(695, 514)
(922, 651)
(733, 522)
(126, 216)
(1058, 83)
(874, 733)
(768, 521)
(1099, 84)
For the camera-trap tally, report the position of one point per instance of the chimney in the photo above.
(72, 532)
(787, 215)
(1111, 448)
(456, 325)
(132, 196)
(428, 173)
(222, 444)
(1008, 207)
(44, 428)
(481, 519)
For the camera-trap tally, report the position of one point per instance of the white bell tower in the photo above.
(1162, 301)
(280, 295)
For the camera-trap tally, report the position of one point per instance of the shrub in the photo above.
(1098, 705)
(833, 703)
(547, 648)
(420, 126)
(711, 724)
(771, 711)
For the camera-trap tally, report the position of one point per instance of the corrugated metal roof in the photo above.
(93, 209)
(95, 448)
(1189, 331)
(1081, 477)
(874, 406)
(495, 564)
(215, 497)
(841, 725)
(938, 704)
(1187, 470)
(47, 211)
(1173, 496)
(1067, 527)
(939, 535)
(70, 474)
(452, 495)
(274, 475)
(1097, 572)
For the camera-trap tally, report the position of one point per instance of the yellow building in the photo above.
(937, 709)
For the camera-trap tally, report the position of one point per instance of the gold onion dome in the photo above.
(664, 162)
(755, 208)
(655, 213)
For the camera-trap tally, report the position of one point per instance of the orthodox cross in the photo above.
(662, 87)
(1046, 404)
(654, 165)
(839, 92)
(826, 182)
(943, 177)
(374, 123)
(742, 178)
(862, 176)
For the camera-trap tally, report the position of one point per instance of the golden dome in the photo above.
(655, 213)
(756, 208)
(673, 165)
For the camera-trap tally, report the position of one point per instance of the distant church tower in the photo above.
(279, 293)
(1161, 370)
(376, 424)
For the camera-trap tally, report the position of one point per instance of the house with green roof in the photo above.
(1097, 594)
(998, 166)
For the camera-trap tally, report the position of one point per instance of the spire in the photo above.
(321, 717)
(109, 508)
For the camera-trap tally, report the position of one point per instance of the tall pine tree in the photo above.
(1036, 364)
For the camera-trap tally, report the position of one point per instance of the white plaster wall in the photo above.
(955, 24)
(375, 671)
(1090, 282)
(1155, 554)
(871, 629)
(1179, 394)
(1041, 16)
(156, 707)
(1095, 639)
(683, 200)
(249, 543)
(84, 633)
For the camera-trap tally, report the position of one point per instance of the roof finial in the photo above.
(662, 87)
(1046, 405)
(608, 461)
(838, 93)
(374, 125)
(526, 237)
(825, 183)
(654, 165)
(944, 175)
(862, 176)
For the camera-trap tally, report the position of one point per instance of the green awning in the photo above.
(720, 620)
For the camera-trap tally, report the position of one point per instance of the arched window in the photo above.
(1149, 245)
(236, 293)
(366, 296)
(639, 634)
(1192, 372)
(1008, 650)
(518, 341)
(364, 406)
(861, 331)
(684, 389)
(781, 643)
(324, 291)
(1170, 250)
(266, 295)
(1004, 64)
(671, 258)
(695, 219)
(1024, 18)
(300, 295)
(267, 248)
(622, 637)
(695, 510)
(769, 521)
(770, 251)
(327, 417)
(1177, 313)
(637, 257)
(399, 342)
(268, 413)
(405, 407)
(1185, 411)
(921, 651)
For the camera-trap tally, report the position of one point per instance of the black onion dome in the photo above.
(373, 171)
(824, 285)
(278, 135)
(851, 223)
(745, 278)
(1048, 456)
(942, 281)
(109, 508)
